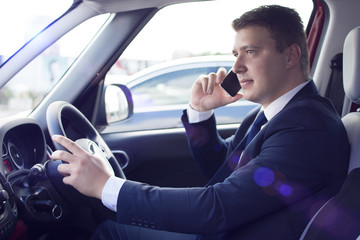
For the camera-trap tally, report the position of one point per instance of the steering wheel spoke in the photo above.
(94, 149)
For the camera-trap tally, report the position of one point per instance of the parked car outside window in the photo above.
(161, 92)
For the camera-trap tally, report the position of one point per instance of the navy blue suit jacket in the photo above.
(296, 163)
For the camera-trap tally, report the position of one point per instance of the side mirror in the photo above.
(116, 104)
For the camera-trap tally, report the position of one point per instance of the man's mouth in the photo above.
(245, 82)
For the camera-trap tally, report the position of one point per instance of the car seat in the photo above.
(339, 218)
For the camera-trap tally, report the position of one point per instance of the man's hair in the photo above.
(284, 25)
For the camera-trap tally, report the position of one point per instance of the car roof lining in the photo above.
(114, 6)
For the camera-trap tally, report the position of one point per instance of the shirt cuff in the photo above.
(196, 116)
(111, 191)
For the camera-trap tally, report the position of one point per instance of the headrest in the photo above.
(351, 65)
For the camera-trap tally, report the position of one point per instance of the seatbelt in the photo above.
(335, 89)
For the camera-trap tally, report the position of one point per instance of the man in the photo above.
(267, 187)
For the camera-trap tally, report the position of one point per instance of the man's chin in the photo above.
(249, 97)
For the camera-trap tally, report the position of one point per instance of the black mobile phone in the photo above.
(231, 84)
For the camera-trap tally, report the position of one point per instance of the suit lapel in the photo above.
(233, 153)
(242, 130)
(239, 154)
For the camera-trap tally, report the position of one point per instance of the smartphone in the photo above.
(231, 84)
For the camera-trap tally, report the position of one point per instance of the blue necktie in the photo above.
(255, 127)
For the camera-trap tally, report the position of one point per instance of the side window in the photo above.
(171, 88)
(161, 95)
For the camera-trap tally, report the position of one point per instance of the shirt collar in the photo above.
(276, 106)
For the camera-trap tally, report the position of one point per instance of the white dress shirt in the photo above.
(113, 186)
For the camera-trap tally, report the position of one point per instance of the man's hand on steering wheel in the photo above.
(85, 172)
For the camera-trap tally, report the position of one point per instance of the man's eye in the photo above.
(250, 51)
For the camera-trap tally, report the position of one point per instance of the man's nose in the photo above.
(239, 66)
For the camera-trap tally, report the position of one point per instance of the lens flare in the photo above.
(264, 176)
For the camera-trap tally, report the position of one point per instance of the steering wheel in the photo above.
(66, 120)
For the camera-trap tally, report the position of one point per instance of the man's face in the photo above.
(260, 68)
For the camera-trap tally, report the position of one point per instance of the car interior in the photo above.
(340, 215)
(82, 105)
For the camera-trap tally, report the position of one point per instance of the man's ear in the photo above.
(294, 54)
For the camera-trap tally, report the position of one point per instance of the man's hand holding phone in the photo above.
(210, 91)
(231, 84)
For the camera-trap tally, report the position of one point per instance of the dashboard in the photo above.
(23, 146)
(31, 189)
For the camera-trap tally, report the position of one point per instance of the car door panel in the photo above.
(168, 118)
(152, 159)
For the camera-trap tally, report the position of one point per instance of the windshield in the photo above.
(19, 22)
(19, 25)
(22, 19)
